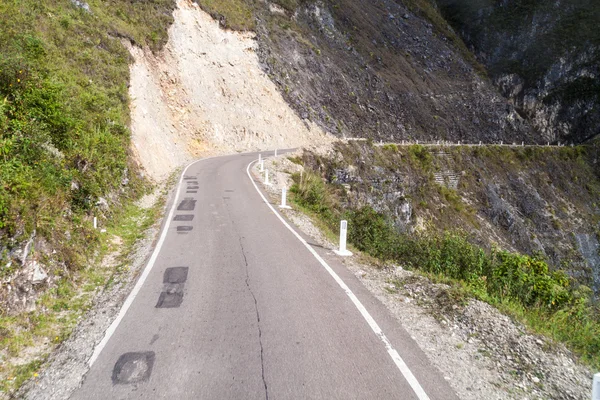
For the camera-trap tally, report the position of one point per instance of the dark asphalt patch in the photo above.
(170, 300)
(192, 191)
(184, 217)
(189, 177)
(172, 294)
(133, 368)
(186, 205)
(229, 191)
(192, 182)
(193, 187)
(184, 228)
(175, 275)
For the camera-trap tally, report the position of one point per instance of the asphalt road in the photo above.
(236, 307)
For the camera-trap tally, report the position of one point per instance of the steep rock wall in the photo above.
(542, 55)
(375, 69)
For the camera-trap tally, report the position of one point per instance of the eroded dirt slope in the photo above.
(205, 94)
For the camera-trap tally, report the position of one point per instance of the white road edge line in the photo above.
(406, 372)
(134, 292)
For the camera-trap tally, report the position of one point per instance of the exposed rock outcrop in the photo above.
(542, 55)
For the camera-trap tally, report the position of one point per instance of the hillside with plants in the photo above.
(509, 226)
(64, 116)
(64, 159)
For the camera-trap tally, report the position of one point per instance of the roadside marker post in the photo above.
(275, 152)
(95, 223)
(596, 387)
(267, 177)
(284, 199)
(343, 234)
(262, 165)
(259, 158)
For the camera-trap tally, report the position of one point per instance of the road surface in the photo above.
(234, 306)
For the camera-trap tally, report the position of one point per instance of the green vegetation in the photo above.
(64, 140)
(64, 114)
(547, 301)
(240, 14)
(232, 14)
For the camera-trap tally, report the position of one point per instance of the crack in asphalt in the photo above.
(262, 360)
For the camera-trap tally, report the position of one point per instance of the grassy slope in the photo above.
(64, 140)
(64, 114)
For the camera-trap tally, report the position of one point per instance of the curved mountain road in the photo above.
(234, 306)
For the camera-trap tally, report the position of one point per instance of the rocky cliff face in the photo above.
(375, 69)
(544, 56)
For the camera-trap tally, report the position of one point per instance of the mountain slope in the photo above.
(375, 70)
(544, 56)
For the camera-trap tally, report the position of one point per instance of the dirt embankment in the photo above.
(206, 94)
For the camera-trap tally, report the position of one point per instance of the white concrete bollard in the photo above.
(480, 142)
(95, 223)
(275, 152)
(501, 143)
(343, 235)
(259, 158)
(284, 199)
(522, 144)
(267, 177)
(262, 165)
(596, 387)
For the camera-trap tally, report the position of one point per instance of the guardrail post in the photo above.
(284, 199)
(596, 387)
(343, 234)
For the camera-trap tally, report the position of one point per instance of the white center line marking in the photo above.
(406, 372)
